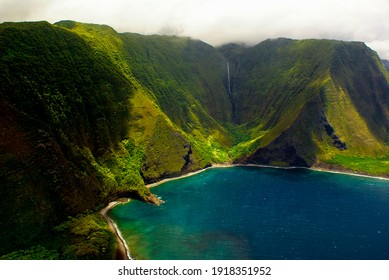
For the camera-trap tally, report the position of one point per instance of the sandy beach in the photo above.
(320, 169)
(123, 252)
(179, 177)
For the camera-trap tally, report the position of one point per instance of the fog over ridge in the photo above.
(217, 22)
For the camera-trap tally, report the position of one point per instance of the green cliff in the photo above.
(386, 64)
(89, 115)
(310, 102)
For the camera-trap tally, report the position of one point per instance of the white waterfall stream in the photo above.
(229, 80)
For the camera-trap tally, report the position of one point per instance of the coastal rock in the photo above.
(154, 200)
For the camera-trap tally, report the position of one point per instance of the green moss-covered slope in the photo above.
(305, 102)
(81, 124)
(62, 107)
(183, 77)
(386, 64)
(88, 115)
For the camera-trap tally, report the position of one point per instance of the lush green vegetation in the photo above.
(88, 115)
(300, 88)
(378, 166)
(68, 110)
(386, 64)
(185, 78)
(34, 253)
(87, 237)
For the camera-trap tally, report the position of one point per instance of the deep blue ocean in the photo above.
(261, 213)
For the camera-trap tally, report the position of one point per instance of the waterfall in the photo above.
(229, 80)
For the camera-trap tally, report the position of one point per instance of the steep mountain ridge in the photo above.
(170, 69)
(66, 107)
(386, 64)
(277, 82)
(89, 115)
(168, 88)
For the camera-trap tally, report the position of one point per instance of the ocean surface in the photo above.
(260, 213)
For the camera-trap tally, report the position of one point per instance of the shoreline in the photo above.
(347, 173)
(317, 168)
(123, 249)
(228, 165)
(123, 252)
(152, 185)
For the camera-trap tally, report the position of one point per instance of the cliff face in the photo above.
(386, 64)
(88, 115)
(306, 102)
(61, 109)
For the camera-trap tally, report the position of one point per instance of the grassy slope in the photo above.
(66, 106)
(386, 64)
(185, 78)
(167, 74)
(299, 88)
(282, 76)
(357, 104)
(95, 127)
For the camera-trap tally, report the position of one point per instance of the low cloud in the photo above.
(220, 21)
(382, 47)
(22, 10)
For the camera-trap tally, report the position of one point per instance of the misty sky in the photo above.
(221, 21)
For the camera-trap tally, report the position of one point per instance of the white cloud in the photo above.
(21, 10)
(382, 47)
(221, 21)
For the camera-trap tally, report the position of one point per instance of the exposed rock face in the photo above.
(275, 154)
(187, 156)
(168, 154)
(330, 132)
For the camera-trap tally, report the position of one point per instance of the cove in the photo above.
(260, 213)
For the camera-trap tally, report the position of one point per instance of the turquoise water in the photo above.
(261, 213)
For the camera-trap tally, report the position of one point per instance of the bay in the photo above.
(260, 213)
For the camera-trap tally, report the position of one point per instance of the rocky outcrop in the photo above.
(340, 145)
(187, 157)
(276, 154)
